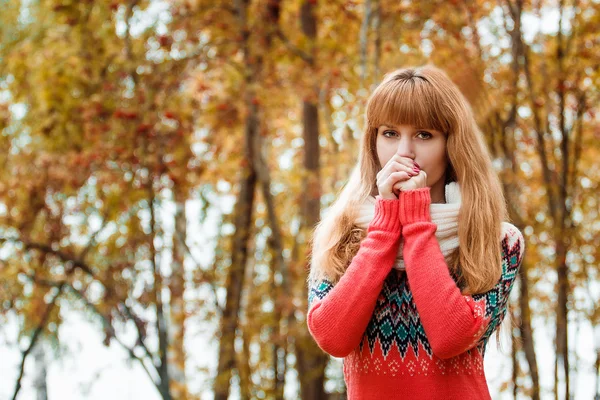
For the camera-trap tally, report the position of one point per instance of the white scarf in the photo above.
(445, 216)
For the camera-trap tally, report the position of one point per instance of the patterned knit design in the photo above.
(495, 301)
(396, 320)
(365, 362)
(319, 290)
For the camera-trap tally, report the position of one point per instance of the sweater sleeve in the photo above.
(453, 322)
(338, 314)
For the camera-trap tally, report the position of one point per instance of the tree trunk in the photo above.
(553, 167)
(514, 351)
(40, 378)
(311, 359)
(527, 333)
(377, 29)
(235, 277)
(177, 306)
(562, 247)
(510, 188)
(597, 369)
(243, 359)
(364, 41)
(162, 328)
(562, 349)
(279, 272)
(259, 173)
(243, 217)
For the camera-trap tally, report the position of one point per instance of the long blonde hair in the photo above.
(423, 97)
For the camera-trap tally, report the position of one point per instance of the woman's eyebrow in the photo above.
(416, 129)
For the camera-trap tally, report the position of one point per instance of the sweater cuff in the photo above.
(387, 215)
(414, 206)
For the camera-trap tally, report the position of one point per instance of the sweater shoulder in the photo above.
(513, 243)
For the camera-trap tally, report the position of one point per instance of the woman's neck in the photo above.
(438, 192)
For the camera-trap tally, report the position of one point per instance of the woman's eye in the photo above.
(423, 134)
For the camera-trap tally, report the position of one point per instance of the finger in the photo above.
(396, 166)
(403, 160)
(398, 177)
(390, 168)
(398, 159)
(399, 187)
(392, 179)
(401, 182)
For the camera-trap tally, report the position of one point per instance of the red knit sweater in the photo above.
(409, 335)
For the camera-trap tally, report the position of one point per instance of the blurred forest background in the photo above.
(163, 164)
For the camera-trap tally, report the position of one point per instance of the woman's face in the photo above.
(425, 146)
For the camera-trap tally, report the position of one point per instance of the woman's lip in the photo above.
(417, 164)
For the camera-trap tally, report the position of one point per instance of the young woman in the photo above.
(413, 264)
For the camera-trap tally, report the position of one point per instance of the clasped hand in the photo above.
(400, 174)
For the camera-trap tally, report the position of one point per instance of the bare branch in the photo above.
(105, 322)
(199, 265)
(35, 337)
(94, 235)
(578, 139)
(70, 260)
(141, 335)
(299, 52)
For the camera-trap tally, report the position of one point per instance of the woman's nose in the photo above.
(405, 148)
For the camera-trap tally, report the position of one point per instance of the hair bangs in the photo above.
(411, 101)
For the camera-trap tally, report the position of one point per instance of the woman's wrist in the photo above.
(387, 215)
(414, 205)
